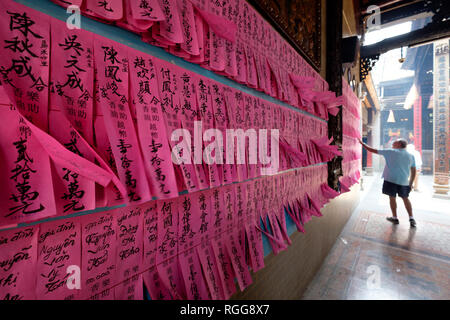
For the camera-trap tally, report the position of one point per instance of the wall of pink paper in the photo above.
(281, 278)
(287, 275)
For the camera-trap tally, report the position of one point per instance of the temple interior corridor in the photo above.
(373, 259)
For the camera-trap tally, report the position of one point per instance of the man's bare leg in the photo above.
(393, 204)
(408, 207)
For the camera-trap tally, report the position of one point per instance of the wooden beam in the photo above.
(372, 92)
(334, 79)
(431, 32)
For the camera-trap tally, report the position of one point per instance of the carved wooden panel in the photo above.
(299, 22)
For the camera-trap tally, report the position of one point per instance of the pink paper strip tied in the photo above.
(296, 157)
(74, 162)
(295, 218)
(274, 241)
(223, 27)
(345, 187)
(314, 206)
(328, 192)
(327, 151)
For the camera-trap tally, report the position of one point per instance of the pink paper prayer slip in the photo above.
(252, 77)
(241, 63)
(163, 42)
(217, 43)
(191, 224)
(189, 120)
(25, 60)
(279, 209)
(278, 216)
(130, 247)
(239, 219)
(221, 256)
(18, 256)
(221, 26)
(111, 195)
(229, 168)
(147, 37)
(61, 156)
(171, 28)
(73, 192)
(59, 260)
(190, 43)
(231, 239)
(26, 193)
(257, 125)
(345, 185)
(205, 251)
(106, 9)
(99, 258)
(153, 282)
(206, 115)
(169, 92)
(256, 251)
(72, 74)
(177, 51)
(130, 24)
(200, 30)
(257, 44)
(249, 124)
(112, 65)
(230, 11)
(220, 123)
(326, 150)
(141, 15)
(328, 192)
(276, 79)
(149, 10)
(289, 206)
(270, 228)
(235, 108)
(151, 126)
(206, 46)
(167, 248)
(72, 93)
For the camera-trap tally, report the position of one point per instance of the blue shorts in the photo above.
(392, 189)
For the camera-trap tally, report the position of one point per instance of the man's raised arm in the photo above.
(368, 148)
(412, 176)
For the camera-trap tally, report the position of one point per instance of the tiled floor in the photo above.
(374, 259)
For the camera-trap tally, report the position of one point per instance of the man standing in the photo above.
(399, 174)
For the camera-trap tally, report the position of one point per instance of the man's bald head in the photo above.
(399, 144)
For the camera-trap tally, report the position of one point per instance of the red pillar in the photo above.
(418, 124)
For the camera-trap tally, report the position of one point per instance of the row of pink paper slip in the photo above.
(351, 149)
(351, 174)
(93, 128)
(227, 37)
(351, 102)
(191, 247)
